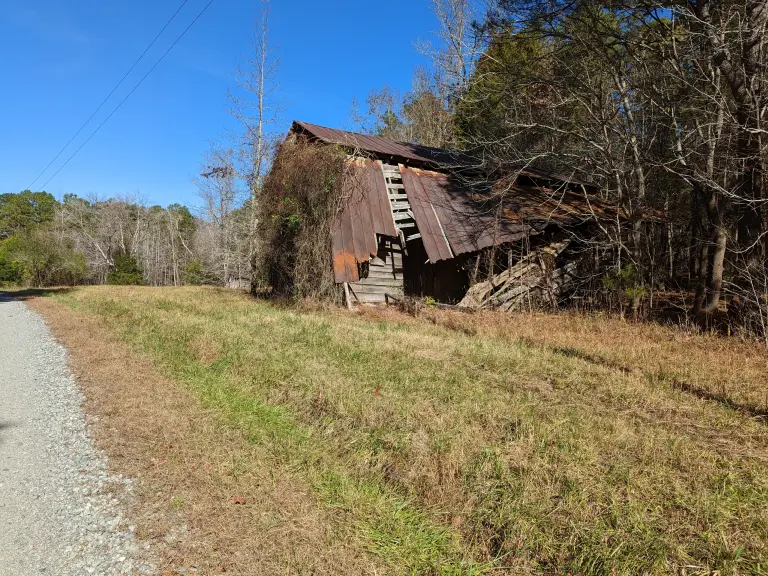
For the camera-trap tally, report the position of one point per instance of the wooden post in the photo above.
(347, 296)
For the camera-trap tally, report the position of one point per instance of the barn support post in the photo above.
(347, 296)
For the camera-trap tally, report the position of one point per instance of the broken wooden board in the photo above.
(535, 280)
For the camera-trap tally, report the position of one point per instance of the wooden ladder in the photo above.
(401, 208)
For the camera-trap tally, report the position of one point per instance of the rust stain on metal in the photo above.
(366, 214)
(345, 267)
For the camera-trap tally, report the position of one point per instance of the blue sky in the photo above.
(61, 57)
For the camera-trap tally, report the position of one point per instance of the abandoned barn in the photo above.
(416, 224)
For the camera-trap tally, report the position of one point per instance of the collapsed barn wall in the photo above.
(558, 267)
(537, 280)
(381, 276)
(445, 281)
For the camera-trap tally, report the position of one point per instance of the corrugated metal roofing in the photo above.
(540, 206)
(400, 151)
(424, 155)
(451, 220)
(376, 195)
(454, 220)
(537, 174)
(366, 214)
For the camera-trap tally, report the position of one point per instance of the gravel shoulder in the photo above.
(61, 511)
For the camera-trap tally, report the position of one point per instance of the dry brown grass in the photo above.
(207, 498)
(730, 370)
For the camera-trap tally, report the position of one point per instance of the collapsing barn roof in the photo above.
(382, 148)
(452, 217)
(452, 221)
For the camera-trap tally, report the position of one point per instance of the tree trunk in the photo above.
(716, 266)
(742, 70)
(637, 234)
(696, 239)
(711, 259)
(750, 193)
(699, 305)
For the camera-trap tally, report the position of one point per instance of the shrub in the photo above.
(38, 257)
(626, 284)
(71, 268)
(11, 271)
(195, 274)
(302, 198)
(126, 271)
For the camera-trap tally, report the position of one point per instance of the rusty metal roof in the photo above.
(398, 151)
(366, 214)
(540, 206)
(454, 219)
(451, 219)
(553, 177)
(416, 153)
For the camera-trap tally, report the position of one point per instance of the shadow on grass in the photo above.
(750, 410)
(28, 293)
(591, 358)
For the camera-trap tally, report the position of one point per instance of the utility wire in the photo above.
(108, 95)
(43, 171)
(129, 93)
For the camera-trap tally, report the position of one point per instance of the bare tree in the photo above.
(157, 238)
(661, 103)
(224, 233)
(383, 114)
(255, 104)
(458, 46)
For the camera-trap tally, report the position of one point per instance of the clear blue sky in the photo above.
(60, 58)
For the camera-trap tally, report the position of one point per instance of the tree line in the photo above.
(78, 240)
(45, 242)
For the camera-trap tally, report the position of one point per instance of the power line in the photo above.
(129, 93)
(171, 19)
(108, 95)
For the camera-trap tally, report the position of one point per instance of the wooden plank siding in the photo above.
(384, 274)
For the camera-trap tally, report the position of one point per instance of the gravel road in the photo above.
(60, 508)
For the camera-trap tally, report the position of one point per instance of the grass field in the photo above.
(451, 444)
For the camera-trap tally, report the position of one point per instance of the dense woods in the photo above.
(661, 104)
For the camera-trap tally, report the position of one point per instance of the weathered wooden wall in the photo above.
(384, 275)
